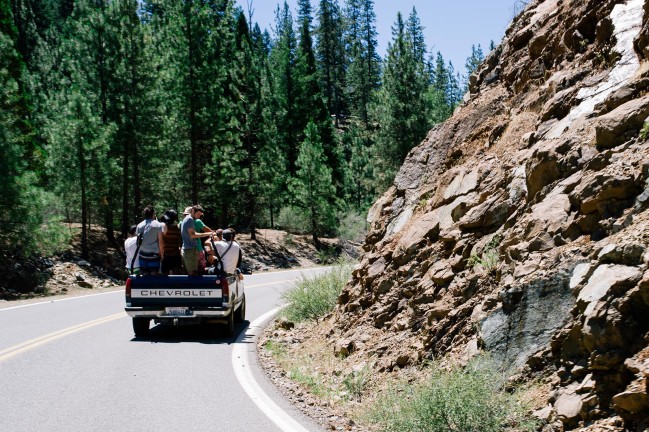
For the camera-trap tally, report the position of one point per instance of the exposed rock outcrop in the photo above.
(521, 225)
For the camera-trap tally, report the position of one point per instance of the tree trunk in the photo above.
(193, 130)
(84, 205)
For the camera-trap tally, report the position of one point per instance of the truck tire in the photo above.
(230, 325)
(141, 326)
(240, 314)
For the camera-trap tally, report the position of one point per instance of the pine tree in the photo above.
(474, 60)
(310, 101)
(331, 57)
(283, 62)
(238, 161)
(439, 92)
(364, 64)
(134, 111)
(312, 187)
(415, 33)
(15, 138)
(75, 120)
(402, 109)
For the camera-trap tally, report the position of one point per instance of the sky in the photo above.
(450, 26)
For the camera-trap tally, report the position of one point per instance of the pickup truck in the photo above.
(182, 300)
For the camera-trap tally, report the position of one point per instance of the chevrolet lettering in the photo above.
(183, 300)
(176, 293)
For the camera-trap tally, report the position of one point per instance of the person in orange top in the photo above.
(172, 261)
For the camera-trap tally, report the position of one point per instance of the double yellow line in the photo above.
(42, 340)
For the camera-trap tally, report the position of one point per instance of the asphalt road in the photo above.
(73, 364)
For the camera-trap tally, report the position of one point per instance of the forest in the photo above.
(107, 106)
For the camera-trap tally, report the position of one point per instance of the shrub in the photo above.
(462, 399)
(489, 258)
(644, 132)
(356, 382)
(353, 227)
(311, 299)
(292, 220)
(55, 236)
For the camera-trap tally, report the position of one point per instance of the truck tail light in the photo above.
(225, 288)
(127, 291)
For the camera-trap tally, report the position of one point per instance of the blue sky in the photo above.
(451, 26)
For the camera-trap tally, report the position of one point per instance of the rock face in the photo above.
(521, 225)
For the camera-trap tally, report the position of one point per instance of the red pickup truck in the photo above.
(183, 300)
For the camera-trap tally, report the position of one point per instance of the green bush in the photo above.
(462, 399)
(55, 236)
(292, 221)
(312, 298)
(644, 132)
(356, 382)
(353, 227)
(489, 258)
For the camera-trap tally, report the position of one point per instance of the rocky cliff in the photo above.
(520, 226)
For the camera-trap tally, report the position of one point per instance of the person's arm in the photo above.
(161, 244)
(194, 234)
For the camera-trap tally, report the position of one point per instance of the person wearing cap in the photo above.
(189, 237)
(200, 227)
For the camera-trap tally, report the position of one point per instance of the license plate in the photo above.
(178, 311)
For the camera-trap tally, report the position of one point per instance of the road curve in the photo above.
(72, 364)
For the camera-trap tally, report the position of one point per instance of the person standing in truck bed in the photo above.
(130, 247)
(152, 247)
(172, 262)
(229, 251)
(189, 236)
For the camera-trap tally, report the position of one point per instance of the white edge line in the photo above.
(242, 370)
(117, 290)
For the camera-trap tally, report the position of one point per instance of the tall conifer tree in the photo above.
(363, 76)
(312, 187)
(402, 109)
(331, 57)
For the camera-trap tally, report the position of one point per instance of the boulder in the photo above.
(622, 123)
(541, 171)
(604, 279)
(493, 212)
(344, 347)
(633, 401)
(423, 228)
(568, 407)
(462, 184)
(596, 189)
(579, 275)
(441, 273)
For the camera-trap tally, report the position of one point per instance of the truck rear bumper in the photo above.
(138, 312)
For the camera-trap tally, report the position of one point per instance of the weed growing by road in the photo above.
(356, 383)
(312, 298)
(461, 399)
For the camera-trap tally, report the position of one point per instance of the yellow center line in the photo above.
(271, 283)
(36, 342)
